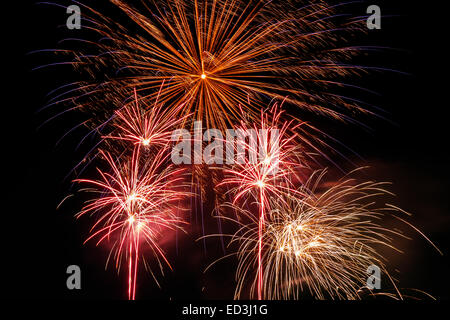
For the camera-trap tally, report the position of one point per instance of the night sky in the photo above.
(409, 148)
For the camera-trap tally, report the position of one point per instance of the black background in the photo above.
(39, 241)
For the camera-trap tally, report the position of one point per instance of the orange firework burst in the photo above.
(136, 202)
(217, 55)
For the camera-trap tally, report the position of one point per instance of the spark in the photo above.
(272, 178)
(131, 220)
(219, 54)
(131, 197)
(260, 184)
(146, 125)
(135, 204)
(321, 243)
(222, 61)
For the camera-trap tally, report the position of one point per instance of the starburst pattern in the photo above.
(135, 203)
(269, 169)
(321, 244)
(216, 55)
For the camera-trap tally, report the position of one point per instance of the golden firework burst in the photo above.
(218, 55)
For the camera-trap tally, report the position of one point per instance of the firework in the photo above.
(220, 61)
(148, 126)
(217, 55)
(321, 244)
(270, 173)
(136, 202)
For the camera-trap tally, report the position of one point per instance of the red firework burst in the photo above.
(271, 167)
(136, 202)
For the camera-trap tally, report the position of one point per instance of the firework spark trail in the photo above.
(321, 243)
(214, 56)
(271, 174)
(217, 55)
(222, 59)
(146, 125)
(135, 204)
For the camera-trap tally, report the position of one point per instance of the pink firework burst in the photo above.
(274, 158)
(135, 202)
